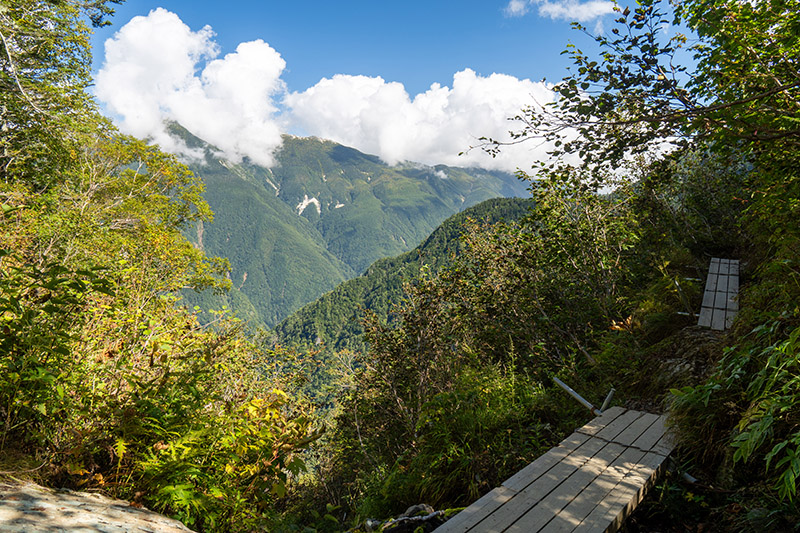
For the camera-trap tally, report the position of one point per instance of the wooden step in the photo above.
(720, 303)
(590, 482)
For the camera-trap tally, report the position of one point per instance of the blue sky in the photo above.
(370, 74)
(413, 42)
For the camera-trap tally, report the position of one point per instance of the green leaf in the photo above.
(278, 489)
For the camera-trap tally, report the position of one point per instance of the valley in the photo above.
(399, 331)
(321, 216)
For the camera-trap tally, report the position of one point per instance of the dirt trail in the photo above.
(30, 508)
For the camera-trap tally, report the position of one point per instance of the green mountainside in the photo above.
(108, 386)
(335, 319)
(322, 215)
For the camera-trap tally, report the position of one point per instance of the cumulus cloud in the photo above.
(517, 8)
(157, 70)
(571, 10)
(381, 118)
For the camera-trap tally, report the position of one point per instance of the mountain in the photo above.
(320, 216)
(334, 320)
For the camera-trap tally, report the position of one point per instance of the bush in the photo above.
(142, 402)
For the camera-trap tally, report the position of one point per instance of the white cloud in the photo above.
(571, 10)
(152, 74)
(158, 70)
(381, 118)
(517, 8)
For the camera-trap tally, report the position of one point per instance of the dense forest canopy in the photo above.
(107, 382)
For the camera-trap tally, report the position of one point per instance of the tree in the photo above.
(44, 70)
(105, 379)
(743, 94)
(738, 107)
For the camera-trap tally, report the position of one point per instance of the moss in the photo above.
(450, 513)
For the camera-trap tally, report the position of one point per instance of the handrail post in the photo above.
(608, 399)
(578, 397)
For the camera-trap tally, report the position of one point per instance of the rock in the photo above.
(417, 518)
(415, 524)
(30, 508)
(372, 525)
(419, 509)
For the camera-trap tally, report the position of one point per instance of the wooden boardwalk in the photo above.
(588, 483)
(719, 299)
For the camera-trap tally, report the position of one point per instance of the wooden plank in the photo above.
(720, 300)
(722, 284)
(598, 423)
(543, 463)
(585, 502)
(472, 515)
(724, 267)
(713, 268)
(539, 489)
(665, 445)
(652, 436)
(618, 425)
(718, 320)
(733, 284)
(708, 298)
(705, 317)
(711, 282)
(547, 509)
(637, 429)
(730, 316)
(626, 495)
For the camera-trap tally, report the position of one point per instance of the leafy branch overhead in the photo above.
(639, 95)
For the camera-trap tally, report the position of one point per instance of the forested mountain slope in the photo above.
(323, 214)
(108, 384)
(335, 319)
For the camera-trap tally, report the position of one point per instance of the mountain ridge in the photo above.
(323, 214)
(334, 319)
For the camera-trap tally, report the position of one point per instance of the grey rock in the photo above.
(30, 508)
(419, 509)
(412, 524)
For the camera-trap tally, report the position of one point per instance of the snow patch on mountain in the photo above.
(306, 202)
